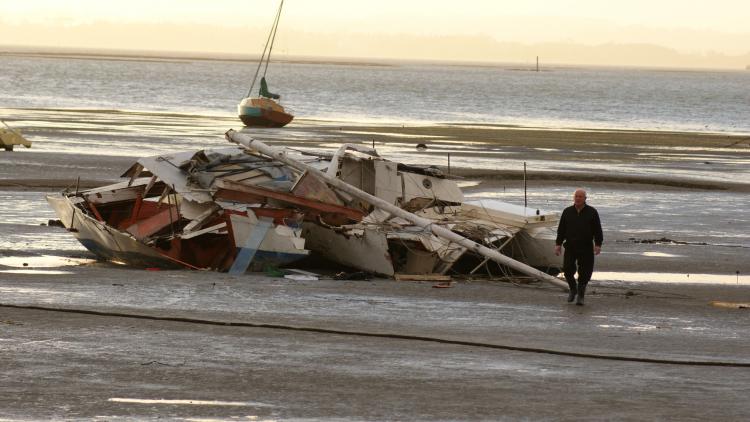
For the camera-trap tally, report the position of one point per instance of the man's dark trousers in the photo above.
(582, 260)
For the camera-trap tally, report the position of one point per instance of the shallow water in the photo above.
(136, 134)
(712, 217)
(716, 101)
(23, 229)
(42, 261)
(739, 279)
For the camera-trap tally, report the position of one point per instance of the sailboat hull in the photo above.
(263, 117)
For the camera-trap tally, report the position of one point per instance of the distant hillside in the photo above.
(243, 43)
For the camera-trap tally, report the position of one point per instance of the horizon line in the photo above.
(127, 54)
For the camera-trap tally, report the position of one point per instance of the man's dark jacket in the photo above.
(578, 229)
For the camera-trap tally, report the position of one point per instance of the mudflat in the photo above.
(102, 152)
(106, 342)
(100, 340)
(639, 169)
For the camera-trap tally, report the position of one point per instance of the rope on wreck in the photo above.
(384, 335)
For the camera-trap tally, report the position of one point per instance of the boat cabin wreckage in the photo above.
(251, 206)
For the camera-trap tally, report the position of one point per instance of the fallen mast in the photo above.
(280, 155)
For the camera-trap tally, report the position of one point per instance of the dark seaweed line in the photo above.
(385, 335)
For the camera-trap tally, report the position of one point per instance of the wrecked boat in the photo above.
(10, 137)
(243, 208)
(386, 244)
(220, 209)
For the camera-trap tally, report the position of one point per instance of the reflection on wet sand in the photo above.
(36, 272)
(642, 154)
(189, 402)
(42, 261)
(673, 278)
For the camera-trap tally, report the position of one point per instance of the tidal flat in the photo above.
(85, 339)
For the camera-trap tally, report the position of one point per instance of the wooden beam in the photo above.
(253, 194)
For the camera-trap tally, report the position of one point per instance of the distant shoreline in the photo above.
(186, 56)
(164, 57)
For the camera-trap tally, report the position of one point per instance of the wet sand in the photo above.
(127, 341)
(304, 350)
(97, 144)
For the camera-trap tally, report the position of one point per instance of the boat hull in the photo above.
(110, 244)
(263, 117)
(107, 243)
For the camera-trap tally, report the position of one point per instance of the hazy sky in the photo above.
(688, 27)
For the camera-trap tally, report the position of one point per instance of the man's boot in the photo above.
(581, 294)
(573, 291)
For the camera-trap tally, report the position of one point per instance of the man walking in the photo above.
(580, 232)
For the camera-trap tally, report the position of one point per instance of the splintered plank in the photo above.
(234, 191)
(153, 224)
(310, 187)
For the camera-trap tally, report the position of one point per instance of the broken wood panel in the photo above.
(253, 194)
(311, 187)
(196, 233)
(387, 182)
(367, 252)
(431, 188)
(148, 226)
(167, 168)
(283, 216)
(358, 173)
(114, 195)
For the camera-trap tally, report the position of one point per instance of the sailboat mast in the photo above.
(275, 27)
(263, 56)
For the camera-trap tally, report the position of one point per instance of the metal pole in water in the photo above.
(449, 163)
(524, 186)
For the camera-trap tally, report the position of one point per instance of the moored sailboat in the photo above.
(264, 110)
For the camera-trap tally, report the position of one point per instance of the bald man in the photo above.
(580, 232)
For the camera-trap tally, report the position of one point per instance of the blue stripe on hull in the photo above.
(250, 111)
(261, 260)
